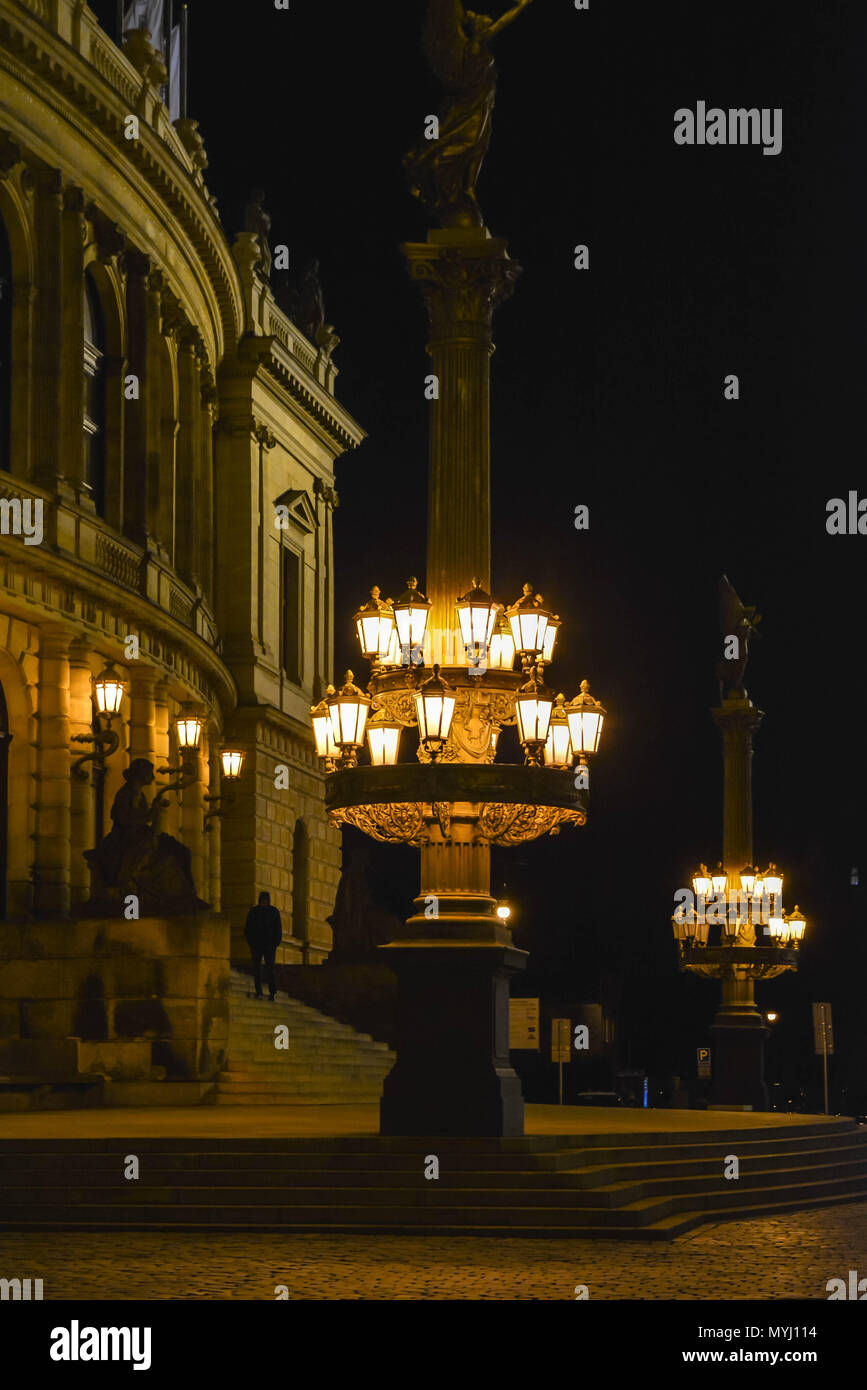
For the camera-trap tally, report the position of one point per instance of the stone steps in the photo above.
(377, 1184)
(326, 1062)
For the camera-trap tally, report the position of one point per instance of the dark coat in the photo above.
(264, 929)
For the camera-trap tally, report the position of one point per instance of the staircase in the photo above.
(326, 1062)
(616, 1186)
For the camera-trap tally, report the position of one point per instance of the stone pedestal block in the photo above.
(143, 999)
(452, 1075)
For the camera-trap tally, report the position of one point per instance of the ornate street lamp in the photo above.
(533, 707)
(586, 717)
(323, 736)
(383, 739)
(374, 623)
(411, 612)
(348, 710)
(435, 707)
(501, 656)
(797, 925)
(701, 882)
(232, 763)
(748, 880)
(528, 621)
(551, 632)
(189, 727)
(558, 744)
(108, 691)
(477, 615)
(231, 768)
(719, 879)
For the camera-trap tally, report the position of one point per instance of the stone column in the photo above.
(72, 393)
(135, 493)
(82, 790)
(205, 488)
(188, 453)
(215, 833)
(51, 869)
(163, 751)
(464, 274)
(158, 506)
(48, 337)
(738, 1030)
(142, 711)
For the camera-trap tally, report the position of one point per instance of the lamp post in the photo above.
(452, 1075)
(734, 957)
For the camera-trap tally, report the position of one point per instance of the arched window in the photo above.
(5, 345)
(94, 395)
(300, 875)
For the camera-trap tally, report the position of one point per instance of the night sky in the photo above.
(607, 389)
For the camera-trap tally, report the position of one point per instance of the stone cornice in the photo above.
(334, 424)
(94, 90)
(35, 582)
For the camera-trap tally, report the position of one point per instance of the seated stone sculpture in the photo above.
(136, 857)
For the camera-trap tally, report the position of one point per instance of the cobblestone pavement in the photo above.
(790, 1256)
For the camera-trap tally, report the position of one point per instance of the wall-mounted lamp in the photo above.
(231, 767)
(188, 731)
(108, 692)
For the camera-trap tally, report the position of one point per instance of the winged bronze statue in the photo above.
(736, 620)
(443, 172)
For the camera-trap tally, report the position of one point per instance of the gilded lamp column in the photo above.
(453, 958)
(738, 1030)
(463, 274)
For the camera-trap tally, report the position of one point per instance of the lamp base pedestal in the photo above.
(739, 1060)
(452, 1075)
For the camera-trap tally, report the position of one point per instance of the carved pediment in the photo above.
(298, 509)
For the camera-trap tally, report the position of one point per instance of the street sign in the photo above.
(560, 1039)
(823, 1032)
(702, 1057)
(524, 1024)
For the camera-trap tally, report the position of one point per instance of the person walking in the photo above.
(264, 932)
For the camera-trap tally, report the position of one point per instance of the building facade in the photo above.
(167, 444)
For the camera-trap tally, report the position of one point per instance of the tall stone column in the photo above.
(48, 467)
(738, 1031)
(453, 958)
(205, 489)
(188, 454)
(51, 875)
(142, 711)
(82, 790)
(463, 274)
(72, 395)
(137, 416)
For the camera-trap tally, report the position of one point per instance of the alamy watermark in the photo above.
(22, 517)
(736, 126)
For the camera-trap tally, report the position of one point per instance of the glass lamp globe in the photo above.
(348, 710)
(109, 689)
(528, 621)
(558, 744)
(232, 763)
(477, 616)
(435, 707)
(502, 651)
(383, 739)
(411, 612)
(374, 623)
(188, 728)
(586, 717)
(323, 737)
